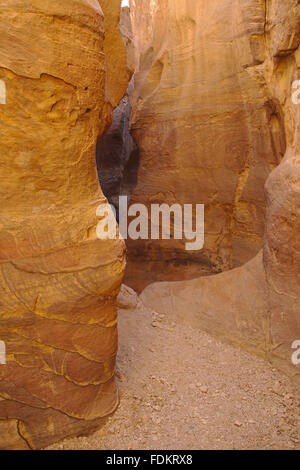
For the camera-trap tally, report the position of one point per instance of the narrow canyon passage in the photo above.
(183, 332)
(177, 382)
(117, 156)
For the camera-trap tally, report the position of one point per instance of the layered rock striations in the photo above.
(281, 254)
(58, 282)
(215, 122)
(208, 129)
(256, 306)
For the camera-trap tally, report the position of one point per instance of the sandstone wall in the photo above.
(58, 282)
(257, 306)
(282, 234)
(207, 128)
(116, 151)
(118, 68)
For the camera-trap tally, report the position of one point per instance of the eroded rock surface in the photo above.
(257, 305)
(207, 128)
(118, 68)
(58, 282)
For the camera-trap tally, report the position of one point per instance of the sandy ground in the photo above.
(182, 389)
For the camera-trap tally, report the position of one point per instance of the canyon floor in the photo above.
(182, 389)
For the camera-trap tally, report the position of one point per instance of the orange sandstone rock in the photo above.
(207, 128)
(257, 306)
(58, 282)
(118, 72)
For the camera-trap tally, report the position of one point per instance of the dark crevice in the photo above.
(23, 437)
(117, 156)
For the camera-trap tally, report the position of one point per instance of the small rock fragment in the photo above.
(238, 424)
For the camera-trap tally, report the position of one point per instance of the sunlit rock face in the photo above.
(207, 128)
(58, 282)
(256, 306)
(118, 67)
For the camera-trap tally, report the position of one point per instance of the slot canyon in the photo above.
(166, 102)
